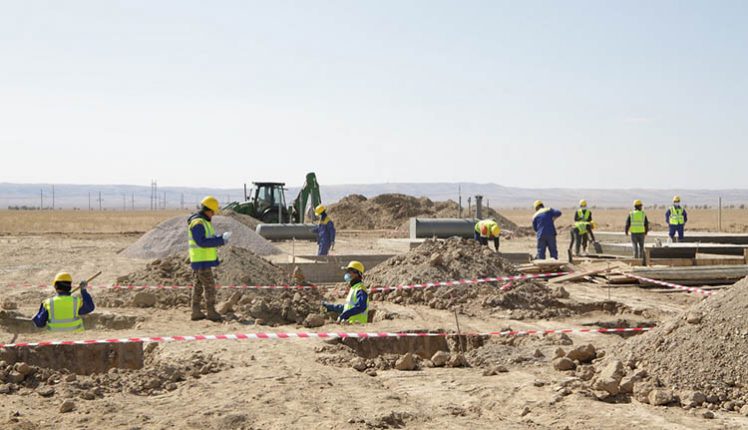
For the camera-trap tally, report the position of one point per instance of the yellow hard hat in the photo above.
(495, 231)
(62, 277)
(676, 199)
(355, 265)
(637, 202)
(537, 204)
(319, 209)
(211, 203)
(583, 203)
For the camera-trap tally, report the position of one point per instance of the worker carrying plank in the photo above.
(356, 307)
(638, 225)
(676, 219)
(203, 243)
(325, 231)
(62, 313)
(543, 222)
(488, 229)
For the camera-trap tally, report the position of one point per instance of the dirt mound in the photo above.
(170, 237)
(696, 358)
(392, 211)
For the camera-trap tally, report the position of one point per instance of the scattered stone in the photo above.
(144, 299)
(359, 364)
(440, 358)
(371, 372)
(610, 378)
(538, 353)
(708, 415)
(23, 368)
(15, 377)
(314, 320)
(744, 411)
(406, 362)
(582, 354)
(660, 397)
(67, 406)
(524, 411)
(693, 317)
(6, 389)
(9, 305)
(538, 383)
(563, 363)
(560, 293)
(457, 360)
(692, 399)
(559, 353)
(46, 391)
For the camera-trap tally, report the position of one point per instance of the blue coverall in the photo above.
(325, 232)
(545, 230)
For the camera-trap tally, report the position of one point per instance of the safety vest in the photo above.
(197, 253)
(584, 214)
(637, 222)
(350, 303)
(62, 314)
(676, 216)
(484, 227)
(540, 211)
(581, 226)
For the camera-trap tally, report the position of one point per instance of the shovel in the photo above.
(87, 281)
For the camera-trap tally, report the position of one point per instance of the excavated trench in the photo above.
(424, 346)
(83, 359)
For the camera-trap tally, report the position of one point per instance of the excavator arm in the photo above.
(309, 193)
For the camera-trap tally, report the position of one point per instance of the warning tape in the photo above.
(671, 285)
(313, 335)
(312, 287)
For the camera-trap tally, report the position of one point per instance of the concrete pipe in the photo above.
(442, 228)
(278, 232)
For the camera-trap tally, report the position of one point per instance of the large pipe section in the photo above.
(286, 231)
(442, 228)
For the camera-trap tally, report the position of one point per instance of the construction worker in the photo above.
(545, 229)
(487, 229)
(62, 312)
(676, 219)
(580, 232)
(325, 231)
(582, 215)
(638, 225)
(356, 307)
(203, 257)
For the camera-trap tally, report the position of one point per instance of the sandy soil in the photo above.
(282, 384)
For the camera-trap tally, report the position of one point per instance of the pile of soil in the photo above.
(393, 211)
(156, 377)
(170, 237)
(696, 359)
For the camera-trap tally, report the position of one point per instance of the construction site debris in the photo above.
(169, 238)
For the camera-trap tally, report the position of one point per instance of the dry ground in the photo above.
(281, 384)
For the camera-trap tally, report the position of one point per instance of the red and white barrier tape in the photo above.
(671, 285)
(313, 335)
(311, 287)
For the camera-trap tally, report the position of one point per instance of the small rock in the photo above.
(538, 353)
(72, 377)
(406, 362)
(660, 397)
(538, 383)
(559, 353)
(9, 305)
(457, 360)
(692, 399)
(314, 320)
(744, 411)
(88, 395)
(371, 372)
(144, 299)
(708, 415)
(563, 363)
(610, 378)
(729, 406)
(524, 411)
(440, 358)
(15, 377)
(67, 406)
(693, 317)
(560, 293)
(583, 353)
(45, 391)
(359, 364)
(5, 389)
(23, 368)
(642, 391)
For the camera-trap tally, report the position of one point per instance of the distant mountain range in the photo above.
(496, 196)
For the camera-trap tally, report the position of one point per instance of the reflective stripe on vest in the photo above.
(676, 216)
(584, 214)
(350, 303)
(199, 254)
(63, 315)
(637, 222)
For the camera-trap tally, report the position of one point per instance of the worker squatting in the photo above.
(63, 312)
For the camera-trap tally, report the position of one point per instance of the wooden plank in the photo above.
(577, 275)
(677, 262)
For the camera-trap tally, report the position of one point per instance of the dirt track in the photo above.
(285, 384)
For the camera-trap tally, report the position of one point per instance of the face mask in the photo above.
(348, 277)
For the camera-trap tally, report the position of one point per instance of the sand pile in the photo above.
(696, 359)
(170, 238)
(392, 211)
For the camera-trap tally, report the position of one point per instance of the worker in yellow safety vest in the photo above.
(63, 312)
(638, 225)
(356, 307)
(203, 244)
(676, 219)
(582, 226)
(487, 229)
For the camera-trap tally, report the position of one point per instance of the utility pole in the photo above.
(89, 201)
(53, 196)
(719, 215)
(132, 201)
(164, 200)
(181, 202)
(99, 200)
(124, 201)
(459, 201)
(41, 199)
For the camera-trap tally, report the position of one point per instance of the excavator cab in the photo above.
(270, 202)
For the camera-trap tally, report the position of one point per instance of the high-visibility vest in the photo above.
(584, 214)
(637, 222)
(581, 226)
(62, 314)
(350, 303)
(199, 254)
(676, 216)
(540, 211)
(485, 227)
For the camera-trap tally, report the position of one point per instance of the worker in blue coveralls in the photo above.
(545, 229)
(356, 307)
(325, 231)
(676, 219)
(62, 312)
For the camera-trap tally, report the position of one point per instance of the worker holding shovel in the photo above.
(62, 312)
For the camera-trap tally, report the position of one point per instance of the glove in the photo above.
(226, 236)
(83, 285)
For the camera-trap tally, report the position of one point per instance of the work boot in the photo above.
(197, 314)
(213, 315)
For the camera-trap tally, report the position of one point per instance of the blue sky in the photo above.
(535, 94)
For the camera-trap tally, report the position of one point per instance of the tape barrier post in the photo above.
(320, 335)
